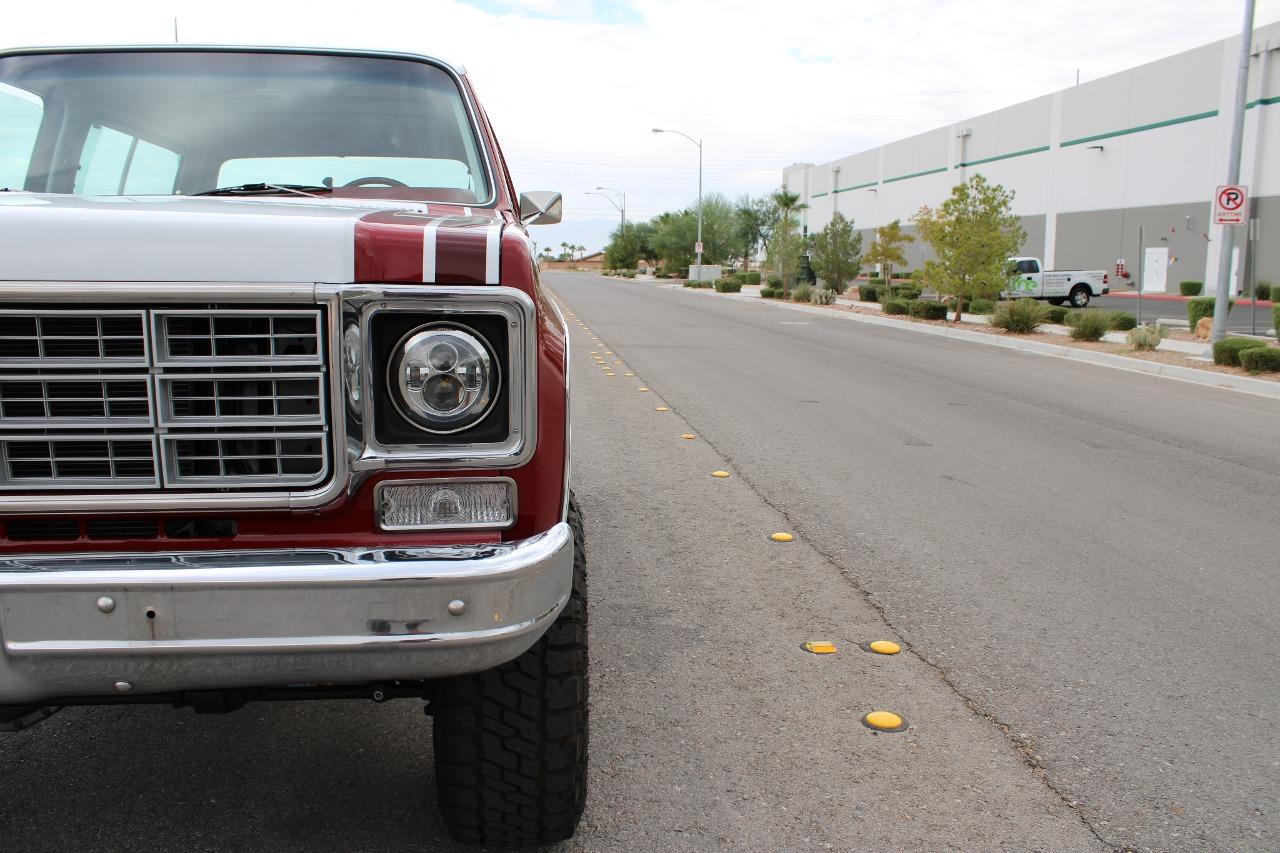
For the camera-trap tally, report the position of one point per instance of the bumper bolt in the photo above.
(457, 607)
(106, 604)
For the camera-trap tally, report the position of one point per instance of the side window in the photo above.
(115, 163)
(152, 171)
(20, 115)
(1028, 266)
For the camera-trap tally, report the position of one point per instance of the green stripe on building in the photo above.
(916, 174)
(1038, 150)
(1140, 128)
(858, 187)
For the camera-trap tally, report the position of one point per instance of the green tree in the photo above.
(674, 234)
(836, 252)
(785, 239)
(755, 219)
(973, 233)
(888, 249)
(624, 249)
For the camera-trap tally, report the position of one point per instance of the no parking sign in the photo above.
(1231, 205)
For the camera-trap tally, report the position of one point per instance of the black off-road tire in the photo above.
(1079, 297)
(511, 743)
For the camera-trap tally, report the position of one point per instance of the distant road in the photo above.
(1237, 321)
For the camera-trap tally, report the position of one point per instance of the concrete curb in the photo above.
(1190, 375)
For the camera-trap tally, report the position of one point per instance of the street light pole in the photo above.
(622, 209)
(697, 142)
(1223, 275)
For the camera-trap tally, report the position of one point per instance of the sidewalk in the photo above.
(1174, 297)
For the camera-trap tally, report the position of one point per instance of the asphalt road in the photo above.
(1239, 320)
(1081, 561)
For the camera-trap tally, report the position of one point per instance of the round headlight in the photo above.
(443, 378)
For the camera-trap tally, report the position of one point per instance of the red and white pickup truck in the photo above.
(284, 409)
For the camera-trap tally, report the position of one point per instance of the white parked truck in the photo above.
(1028, 278)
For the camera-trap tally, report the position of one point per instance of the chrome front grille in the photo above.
(35, 340)
(222, 398)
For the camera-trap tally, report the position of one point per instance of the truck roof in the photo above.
(181, 47)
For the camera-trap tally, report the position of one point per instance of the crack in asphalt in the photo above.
(1022, 744)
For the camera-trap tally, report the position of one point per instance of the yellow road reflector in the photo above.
(819, 647)
(720, 474)
(618, 361)
(884, 647)
(628, 374)
(688, 436)
(662, 409)
(884, 721)
(593, 352)
(642, 388)
(781, 537)
(608, 352)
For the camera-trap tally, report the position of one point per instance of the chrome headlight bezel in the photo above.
(453, 356)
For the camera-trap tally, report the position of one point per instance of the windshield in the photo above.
(187, 122)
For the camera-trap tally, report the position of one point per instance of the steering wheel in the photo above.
(374, 180)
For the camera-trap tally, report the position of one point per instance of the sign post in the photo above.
(1230, 205)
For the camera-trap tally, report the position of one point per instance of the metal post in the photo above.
(1251, 241)
(699, 247)
(1141, 253)
(1221, 305)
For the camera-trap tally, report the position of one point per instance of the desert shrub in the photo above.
(1022, 317)
(823, 296)
(770, 292)
(927, 309)
(1261, 360)
(1056, 314)
(1228, 350)
(690, 284)
(1275, 318)
(875, 281)
(705, 285)
(1122, 321)
(751, 278)
(739, 277)
(868, 293)
(775, 281)
(1262, 290)
(981, 306)
(896, 306)
(1190, 288)
(801, 293)
(1089, 325)
(1203, 306)
(1146, 337)
(904, 292)
(728, 285)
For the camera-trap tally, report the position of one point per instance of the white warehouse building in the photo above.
(1091, 165)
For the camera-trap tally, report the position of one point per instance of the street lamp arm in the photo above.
(697, 142)
(608, 199)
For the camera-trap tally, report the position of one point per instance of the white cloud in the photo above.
(574, 88)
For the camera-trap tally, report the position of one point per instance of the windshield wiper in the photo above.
(268, 189)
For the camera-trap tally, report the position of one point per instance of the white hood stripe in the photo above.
(429, 250)
(492, 254)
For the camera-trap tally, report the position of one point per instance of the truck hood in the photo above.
(47, 237)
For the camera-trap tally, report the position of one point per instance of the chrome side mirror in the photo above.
(541, 207)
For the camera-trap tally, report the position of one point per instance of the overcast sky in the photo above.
(574, 88)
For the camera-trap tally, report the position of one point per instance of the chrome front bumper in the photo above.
(102, 624)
